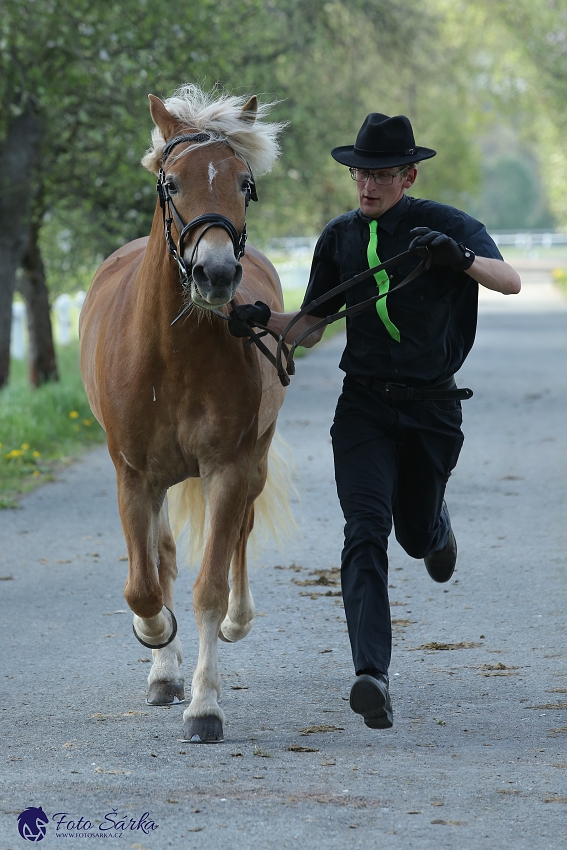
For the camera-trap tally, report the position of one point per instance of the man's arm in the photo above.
(496, 275)
(279, 321)
(443, 250)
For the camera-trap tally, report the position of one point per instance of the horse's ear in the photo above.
(249, 110)
(164, 120)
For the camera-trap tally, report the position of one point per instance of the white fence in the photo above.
(527, 241)
(64, 316)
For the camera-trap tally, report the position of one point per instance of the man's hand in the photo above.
(443, 251)
(245, 316)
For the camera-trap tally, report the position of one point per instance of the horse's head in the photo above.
(205, 189)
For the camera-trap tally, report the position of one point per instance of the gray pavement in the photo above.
(477, 757)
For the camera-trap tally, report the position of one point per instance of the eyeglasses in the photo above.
(381, 178)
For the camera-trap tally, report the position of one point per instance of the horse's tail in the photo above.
(272, 511)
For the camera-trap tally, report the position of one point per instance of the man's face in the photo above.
(374, 200)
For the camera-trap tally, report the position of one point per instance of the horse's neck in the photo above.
(159, 300)
(158, 291)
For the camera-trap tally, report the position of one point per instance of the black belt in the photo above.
(443, 391)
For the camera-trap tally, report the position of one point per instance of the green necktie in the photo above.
(382, 280)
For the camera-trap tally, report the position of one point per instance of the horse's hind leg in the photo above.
(165, 679)
(226, 495)
(240, 614)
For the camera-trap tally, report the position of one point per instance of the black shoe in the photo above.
(370, 697)
(441, 563)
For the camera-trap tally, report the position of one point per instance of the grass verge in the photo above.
(560, 279)
(43, 429)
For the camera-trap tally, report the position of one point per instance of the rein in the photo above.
(289, 369)
(170, 214)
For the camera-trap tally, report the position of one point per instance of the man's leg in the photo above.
(365, 469)
(431, 443)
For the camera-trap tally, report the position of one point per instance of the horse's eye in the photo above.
(171, 187)
(246, 186)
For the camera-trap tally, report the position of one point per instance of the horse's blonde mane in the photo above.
(220, 115)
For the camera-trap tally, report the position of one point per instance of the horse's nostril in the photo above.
(199, 275)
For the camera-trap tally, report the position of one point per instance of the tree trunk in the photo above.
(32, 285)
(16, 195)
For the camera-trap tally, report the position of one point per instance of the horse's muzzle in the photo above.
(215, 282)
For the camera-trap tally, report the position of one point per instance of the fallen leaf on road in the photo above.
(311, 729)
(319, 595)
(438, 647)
(296, 748)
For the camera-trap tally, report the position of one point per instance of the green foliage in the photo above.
(42, 427)
(456, 68)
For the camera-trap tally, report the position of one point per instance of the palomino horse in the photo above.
(180, 399)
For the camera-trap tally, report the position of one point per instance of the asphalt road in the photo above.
(477, 757)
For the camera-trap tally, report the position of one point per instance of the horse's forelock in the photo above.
(220, 115)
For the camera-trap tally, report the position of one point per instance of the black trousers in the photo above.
(392, 462)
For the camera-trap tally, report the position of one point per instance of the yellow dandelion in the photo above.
(36, 454)
(25, 446)
(87, 422)
(36, 473)
(74, 414)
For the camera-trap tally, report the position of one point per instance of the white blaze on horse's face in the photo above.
(213, 180)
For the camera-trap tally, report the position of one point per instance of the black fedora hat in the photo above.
(382, 142)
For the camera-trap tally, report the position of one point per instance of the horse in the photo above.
(189, 410)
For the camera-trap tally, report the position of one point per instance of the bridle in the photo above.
(170, 214)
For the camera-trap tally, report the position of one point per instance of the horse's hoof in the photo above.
(203, 730)
(165, 693)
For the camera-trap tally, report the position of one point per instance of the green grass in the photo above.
(42, 429)
(560, 279)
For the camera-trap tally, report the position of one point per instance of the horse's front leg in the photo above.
(226, 497)
(139, 505)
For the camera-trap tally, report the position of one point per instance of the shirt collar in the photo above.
(389, 220)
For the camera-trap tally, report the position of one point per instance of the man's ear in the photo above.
(410, 178)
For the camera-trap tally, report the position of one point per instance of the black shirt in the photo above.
(436, 313)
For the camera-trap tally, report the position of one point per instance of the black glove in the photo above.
(443, 250)
(245, 316)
